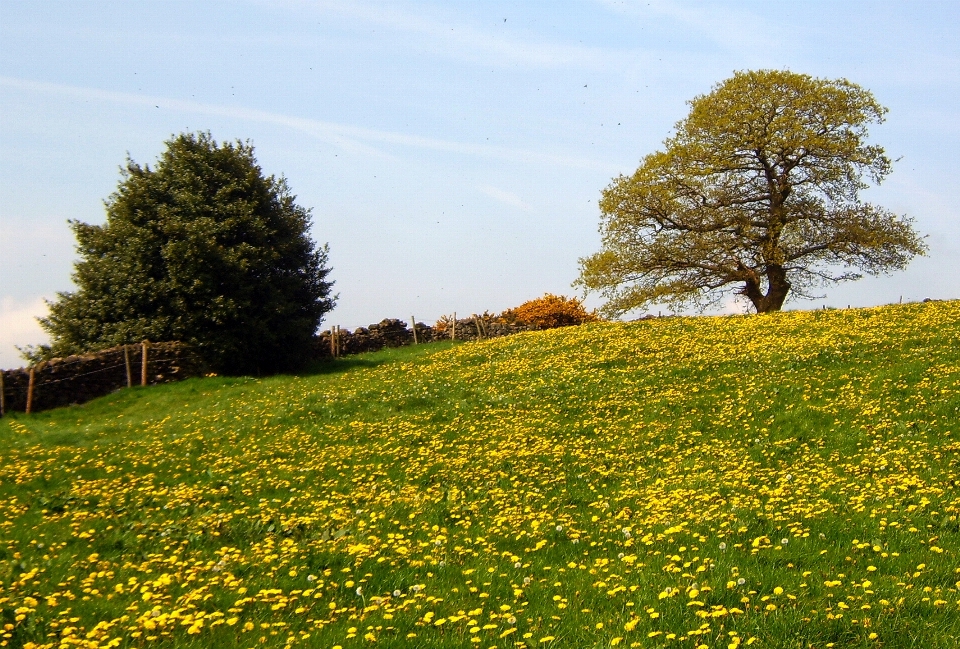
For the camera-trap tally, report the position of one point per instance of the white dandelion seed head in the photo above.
(723, 546)
(397, 593)
(518, 565)
(784, 541)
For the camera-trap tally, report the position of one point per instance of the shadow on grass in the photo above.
(339, 365)
(152, 400)
(369, 360)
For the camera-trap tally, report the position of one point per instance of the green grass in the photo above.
(784, 481)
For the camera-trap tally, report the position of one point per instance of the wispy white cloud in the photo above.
(730, 27)
(349, 138)
(455, 38)
(19, 327)
(505, 197)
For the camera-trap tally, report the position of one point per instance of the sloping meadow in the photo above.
(774, 481)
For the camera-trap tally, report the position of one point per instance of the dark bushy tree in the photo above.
(202, 248)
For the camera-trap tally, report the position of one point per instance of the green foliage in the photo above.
(756, 194)
(204, 249)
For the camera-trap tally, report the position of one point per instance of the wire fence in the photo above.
(76, 379)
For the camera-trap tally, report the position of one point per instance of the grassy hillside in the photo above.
(776, 481)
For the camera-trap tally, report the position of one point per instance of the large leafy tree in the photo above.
(202, 248)
(756, 194)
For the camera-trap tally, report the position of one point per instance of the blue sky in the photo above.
(452, 153)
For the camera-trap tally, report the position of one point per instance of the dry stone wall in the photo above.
(397, 333)
(76, 379)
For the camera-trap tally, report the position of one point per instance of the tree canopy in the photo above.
(202, 248)
(756, 194)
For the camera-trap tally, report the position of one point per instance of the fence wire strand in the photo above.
(55, 372)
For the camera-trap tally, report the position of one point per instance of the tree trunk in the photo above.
(777, 289)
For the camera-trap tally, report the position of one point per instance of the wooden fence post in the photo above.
(476, 322)
(30, 390)
(453, 330)
(126, 361)
(335, 341)
(3, 396)
(143, 363)
(413, 323)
